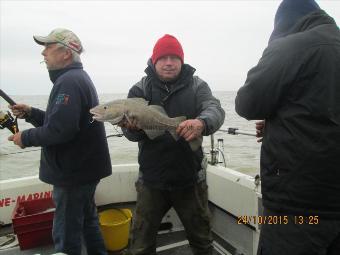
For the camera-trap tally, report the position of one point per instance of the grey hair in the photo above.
(75, 55)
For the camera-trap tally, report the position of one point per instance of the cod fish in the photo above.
(152, 119)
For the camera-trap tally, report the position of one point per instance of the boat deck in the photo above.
(175, 243)
(169, 243)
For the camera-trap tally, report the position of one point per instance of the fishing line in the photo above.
(18, 152)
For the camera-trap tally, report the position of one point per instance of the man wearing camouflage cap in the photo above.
(75, 153)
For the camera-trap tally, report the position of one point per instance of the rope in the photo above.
(24, 151)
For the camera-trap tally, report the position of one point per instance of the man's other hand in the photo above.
(16, 138)
(259, 130)
(130, 123)
(20, 110)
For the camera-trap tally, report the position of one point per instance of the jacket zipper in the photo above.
(166, 87)
(168, 91)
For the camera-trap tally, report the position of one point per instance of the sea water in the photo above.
(241, 152)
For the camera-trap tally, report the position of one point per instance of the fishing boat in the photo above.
(234, 201)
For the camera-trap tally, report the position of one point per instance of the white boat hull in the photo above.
(232, 195)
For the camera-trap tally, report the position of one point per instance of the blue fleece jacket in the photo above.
(74, 151)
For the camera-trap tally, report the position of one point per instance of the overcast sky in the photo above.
(221, 39)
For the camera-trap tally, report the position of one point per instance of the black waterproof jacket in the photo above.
(296, 88)
(165, 163)
(74, 151)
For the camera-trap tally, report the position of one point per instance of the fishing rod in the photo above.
(7, 98)
(236, 131)
(6, 119)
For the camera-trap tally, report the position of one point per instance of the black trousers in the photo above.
(297, 235)
(191, 205)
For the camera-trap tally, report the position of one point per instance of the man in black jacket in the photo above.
(170, 173)
(295, 88)
(75, 153)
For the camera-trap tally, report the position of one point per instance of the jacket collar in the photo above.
(186, 73)
(55, 74)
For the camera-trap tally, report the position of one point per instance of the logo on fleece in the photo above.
(62, 99)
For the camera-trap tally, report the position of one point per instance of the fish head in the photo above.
(106, 112)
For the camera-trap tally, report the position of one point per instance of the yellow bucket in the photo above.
(115, 227)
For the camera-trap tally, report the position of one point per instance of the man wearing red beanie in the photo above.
(167, 45)
(171, 174)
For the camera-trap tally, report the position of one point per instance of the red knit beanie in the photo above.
(167, 45)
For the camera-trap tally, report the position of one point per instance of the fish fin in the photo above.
(158, 108)
(139, 100)
(115, 121)
(196, 143)
(173, 134)
(152, 133)
(172, 131)
(180, 119)
(127, 118)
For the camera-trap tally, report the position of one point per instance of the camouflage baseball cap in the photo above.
(63, 36)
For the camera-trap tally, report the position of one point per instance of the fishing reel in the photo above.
(7, 121)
